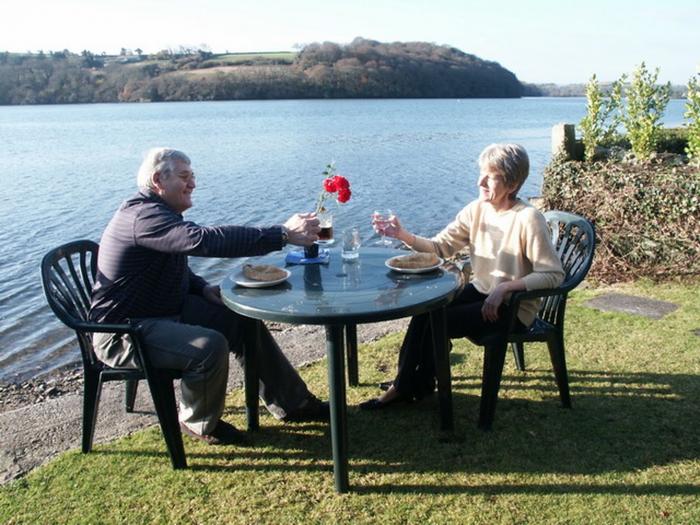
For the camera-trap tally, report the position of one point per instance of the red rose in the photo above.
(344, 194)
(333, 184)
(341, 183)
(329, 185)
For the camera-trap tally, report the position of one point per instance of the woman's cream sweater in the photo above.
(503, 246)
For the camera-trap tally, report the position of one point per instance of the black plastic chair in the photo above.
(574, 240)
(68, 273)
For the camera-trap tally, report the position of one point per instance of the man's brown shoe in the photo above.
(223, 434)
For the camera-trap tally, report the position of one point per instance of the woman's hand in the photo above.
(489, 311)
(389, 227)
(212, 294)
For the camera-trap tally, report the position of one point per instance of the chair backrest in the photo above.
(573, 238)
(67, 274)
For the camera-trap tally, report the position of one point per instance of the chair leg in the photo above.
(163, 393)
(555, 345)
(494, 357)
(130, 394)
(351, 351)
(92, 386)
(519, 355)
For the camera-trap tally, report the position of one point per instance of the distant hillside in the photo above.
(578, 90)
(361, 69)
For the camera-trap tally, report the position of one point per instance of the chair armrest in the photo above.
(536, 294)
(517, 297)
(85, 326)
(129, 328)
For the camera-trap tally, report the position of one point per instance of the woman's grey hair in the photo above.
(510, 160)
(158, 160)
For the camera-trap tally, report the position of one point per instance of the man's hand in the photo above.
(212, 294)
(302, 229)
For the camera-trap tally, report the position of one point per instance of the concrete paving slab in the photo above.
(630, 304)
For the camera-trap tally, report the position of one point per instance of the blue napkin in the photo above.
(297, 257)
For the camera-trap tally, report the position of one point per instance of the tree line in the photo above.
(362, 69)
(579, 90)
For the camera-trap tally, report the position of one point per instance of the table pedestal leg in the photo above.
(336, 382)
(351, 351)
(251, 344)
(438, 324)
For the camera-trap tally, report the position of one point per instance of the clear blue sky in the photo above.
(561, 41)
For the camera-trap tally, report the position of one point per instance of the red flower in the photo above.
(330, 185)
(333, 183)
(344, 194)
(341, 183)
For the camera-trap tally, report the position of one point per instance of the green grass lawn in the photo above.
(237, 58)
(628, 451)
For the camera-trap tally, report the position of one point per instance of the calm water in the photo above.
(65, 169)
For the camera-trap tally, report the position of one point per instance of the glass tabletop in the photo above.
(359, 291)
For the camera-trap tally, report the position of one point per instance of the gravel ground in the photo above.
(42, 418)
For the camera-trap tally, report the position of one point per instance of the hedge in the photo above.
(647, 215)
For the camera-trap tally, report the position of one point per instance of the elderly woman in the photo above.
(510, 250)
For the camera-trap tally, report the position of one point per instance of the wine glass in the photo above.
(381, 219)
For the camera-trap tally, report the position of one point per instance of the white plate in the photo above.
(242, 280)
(414, 270)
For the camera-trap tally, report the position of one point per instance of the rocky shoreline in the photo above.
(67, 380)
(52, 386)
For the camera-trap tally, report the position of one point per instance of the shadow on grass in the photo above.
(623, 489)
(620, 423)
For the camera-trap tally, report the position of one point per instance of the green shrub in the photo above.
(647, 215)
(692, 113)
(669, 140)
(672, 140)
(646, 102)
(619, 140)
(603, 116)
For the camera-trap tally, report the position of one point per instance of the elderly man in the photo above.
(143, 275)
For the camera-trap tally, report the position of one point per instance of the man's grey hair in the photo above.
(510, 160)
(158, 160)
